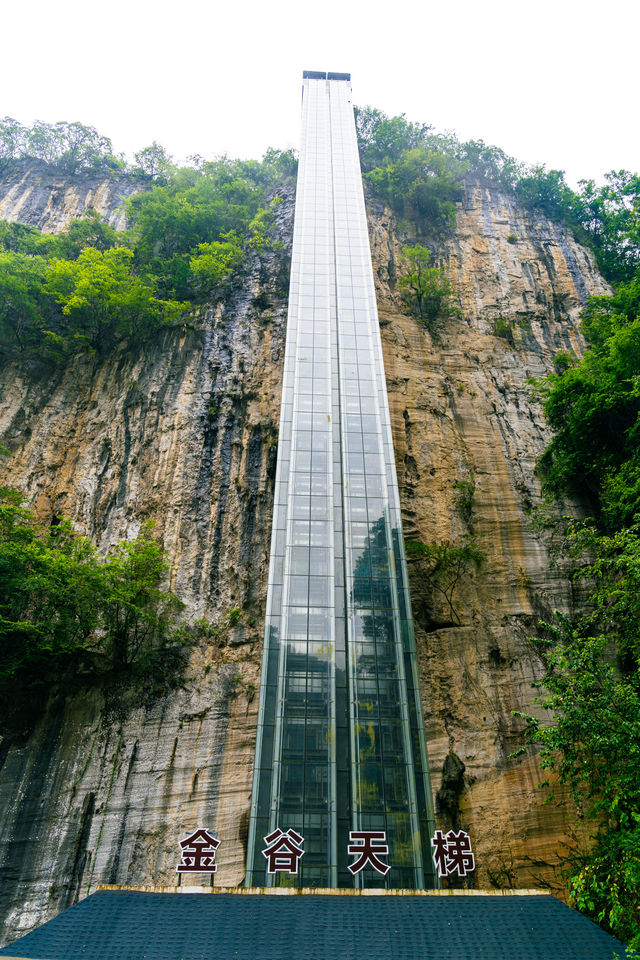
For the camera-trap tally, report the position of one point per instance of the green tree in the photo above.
(137, 615)
(382, 139)
(89, 230)
(19, 238)
(591, 686)
(485, 161)
(594, 408)
(547, 190)
(21, 302)
(49, 596)
(215, 262)
(154, 162)
(426, 290)
(610, 219)
(69, 616)
(279, 166)
(423, 182)
(103, 300)
(12, 136)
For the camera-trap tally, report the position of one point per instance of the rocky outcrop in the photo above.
(468, 431)
(35, 193)
(183, 432)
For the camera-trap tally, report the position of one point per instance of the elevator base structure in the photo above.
(126, 924)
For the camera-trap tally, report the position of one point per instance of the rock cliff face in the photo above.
(35, 193)
(462, 413)
(183, 432)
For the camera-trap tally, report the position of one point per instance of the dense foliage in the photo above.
(90, 287)
(421, 174)
(191, 233)
(591, 682)
(68, 615)
(407, 168)
(426, 290)
(594, 408)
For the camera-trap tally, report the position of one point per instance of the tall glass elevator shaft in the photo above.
(340, 738)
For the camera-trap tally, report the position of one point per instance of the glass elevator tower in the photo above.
(340, 737)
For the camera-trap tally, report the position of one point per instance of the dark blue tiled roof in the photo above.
(129, 925)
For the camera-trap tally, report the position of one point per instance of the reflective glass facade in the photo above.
(340, 739)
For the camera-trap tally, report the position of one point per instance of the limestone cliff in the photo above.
(462, 412)
(184, 432)
(36, 193)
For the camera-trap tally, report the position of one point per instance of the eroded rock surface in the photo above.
(184, 432)
(35, 193)
(463, 413)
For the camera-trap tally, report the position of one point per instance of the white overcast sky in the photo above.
(550, 81)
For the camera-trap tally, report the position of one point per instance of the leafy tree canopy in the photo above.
(594, 408)
(103, 301)
(591, 686)
(424, 181)
(195, 207)
(90, 287)
(72, 147)
(426, 290)
(154, 162)
(383, 140)
(68, 615)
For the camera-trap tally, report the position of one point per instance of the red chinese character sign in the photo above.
(368, 846)
(198, 853)
(452, 853)
(283, 851)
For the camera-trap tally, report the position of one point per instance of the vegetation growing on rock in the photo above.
(426, 290)
(591, 681)
(191, 233)
(91, 288)
(421, 175)
(70, 617)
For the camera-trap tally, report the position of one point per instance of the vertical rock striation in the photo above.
(463, 413)
(35, 193)
(183, 432)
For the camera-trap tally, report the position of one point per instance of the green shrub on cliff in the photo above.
(90, 288)
(594, 408)
(426, 290)
(70, 616)
(591, 686)
(591, 679)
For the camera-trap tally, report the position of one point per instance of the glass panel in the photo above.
(340, 744)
